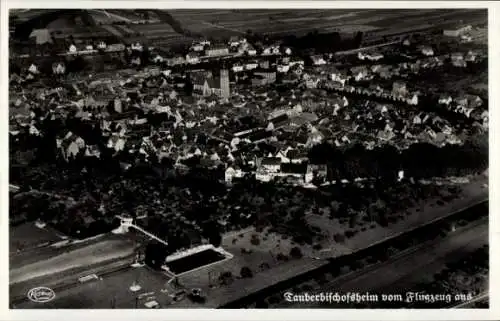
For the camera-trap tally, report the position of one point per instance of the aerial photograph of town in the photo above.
(248, 159)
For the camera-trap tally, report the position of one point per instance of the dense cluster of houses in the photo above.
(244, 129)
(236, 46)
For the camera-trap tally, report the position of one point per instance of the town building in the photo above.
(208, 85)
(101, 45)
(251, 51)
(237, 67)
(270, 76)
(176, 61)
(427, 51)
(318, 60)
(457, 59)
(271, 164)
(197, 47)
(193, 57)
(235, 41)
(58, 68)
(115, 47)
(33, 69)
(283, 68)
(315, 171)
(251, 65)
(72, 49)
(457, 31)
(217, 51)
(399, 88)
(136, 46)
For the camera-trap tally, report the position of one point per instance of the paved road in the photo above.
(399, 273)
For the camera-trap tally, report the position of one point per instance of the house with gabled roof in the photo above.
(70, 145)
(315, 170)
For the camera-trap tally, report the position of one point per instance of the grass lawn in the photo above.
(424, 212)
(247, 253)
(472, 193)
(27, 235)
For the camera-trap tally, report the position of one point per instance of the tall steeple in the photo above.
(224, 83)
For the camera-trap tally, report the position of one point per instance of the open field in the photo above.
(28, 235)
(241, 287)
(64, 28)
(152, 29)
(264, 252)
(100, 293)
(32, 256)
(299, 22)
(472, 194)
(102, 251)
(425, 212)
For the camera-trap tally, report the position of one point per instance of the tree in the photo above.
(281, 257)
(296, 253)
(76, 65)
(211, 231)
(215, 239)
(156, 254)
(358, 39)
(246, 272)
(339, 238)
(226, 278)
(264, 266)
(255, 240)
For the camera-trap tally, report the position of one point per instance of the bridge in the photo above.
(127, 222)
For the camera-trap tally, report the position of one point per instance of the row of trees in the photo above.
(421, 160)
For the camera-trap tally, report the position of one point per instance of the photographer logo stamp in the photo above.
(41, 294)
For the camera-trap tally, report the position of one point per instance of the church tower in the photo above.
(224, 83)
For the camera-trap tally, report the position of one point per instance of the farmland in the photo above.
(157, 34)
(283, 22)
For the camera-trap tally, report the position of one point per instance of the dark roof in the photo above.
(271, 161)
(193, 54)
(267, 148)
(294, 153)
(212, 82)
(260, 134)
(318, 167)
(197, 92)
(293, 168)
(217, 47)
(263, 71)
(280, 118)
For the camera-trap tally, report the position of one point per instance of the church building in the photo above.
(208, 85)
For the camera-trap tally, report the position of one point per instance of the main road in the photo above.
(403, 271)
